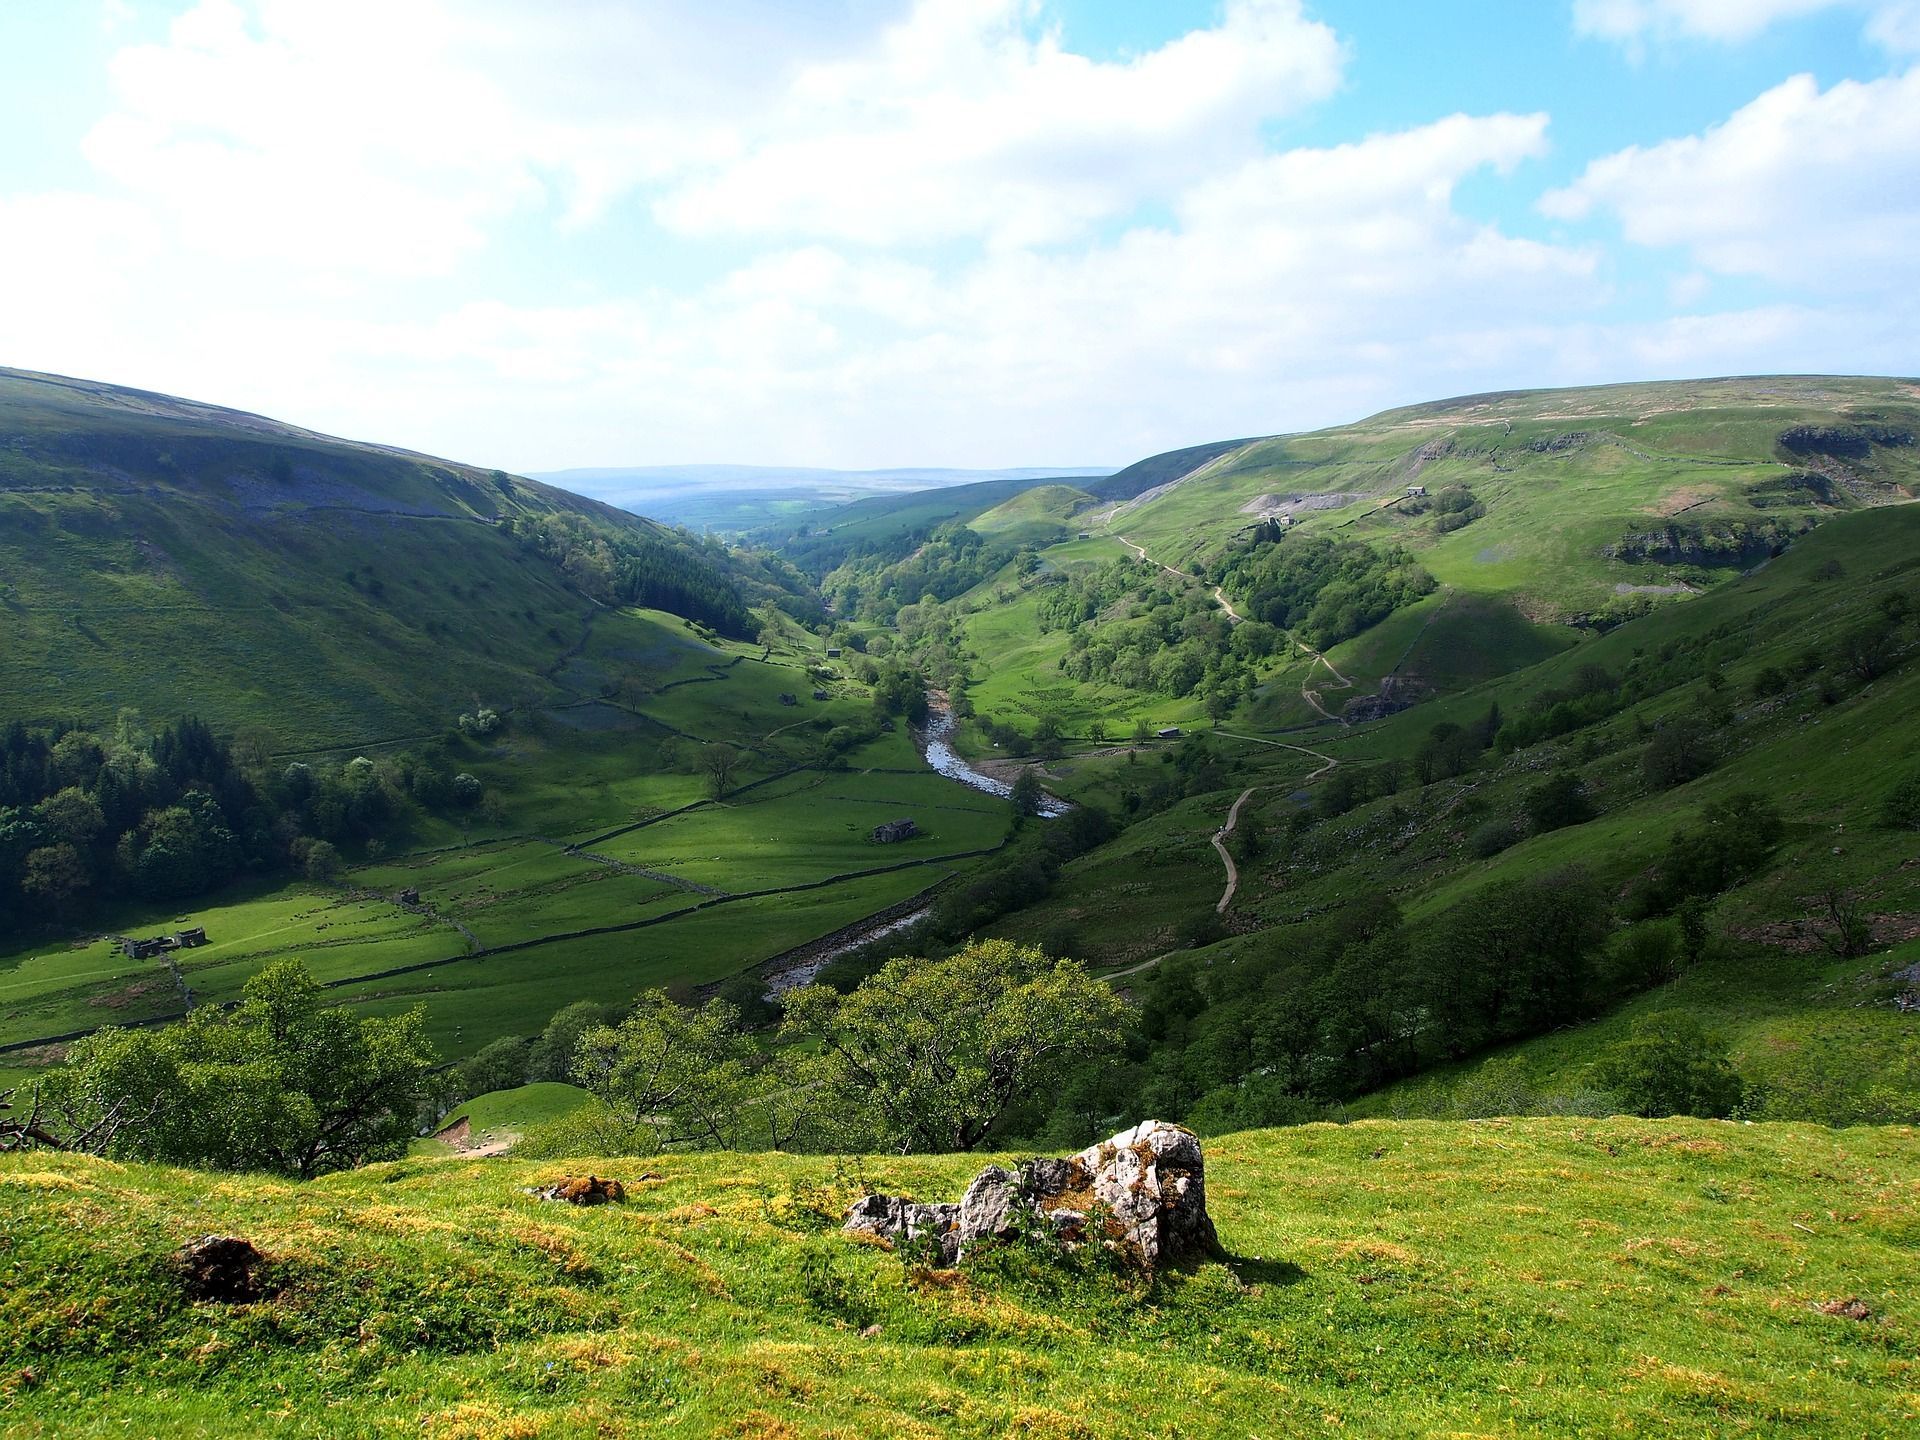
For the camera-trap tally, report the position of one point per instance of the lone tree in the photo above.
(680, 1078)
(282, 1083)
(933, 1055)
(1026, 794)
(720, 764)
(1670, 1065)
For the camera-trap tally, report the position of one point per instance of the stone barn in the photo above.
(894, 831)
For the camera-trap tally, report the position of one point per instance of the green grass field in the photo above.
(1542, 1277)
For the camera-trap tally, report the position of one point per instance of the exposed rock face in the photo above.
(894, 1218)
(1143, 1193)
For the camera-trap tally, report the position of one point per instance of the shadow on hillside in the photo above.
(1252, 1270)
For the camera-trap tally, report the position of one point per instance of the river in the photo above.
(936, 744)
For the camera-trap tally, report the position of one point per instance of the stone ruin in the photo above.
(1142, 1193)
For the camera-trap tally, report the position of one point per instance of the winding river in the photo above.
(936, 744)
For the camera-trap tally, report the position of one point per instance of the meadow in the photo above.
(601, 867)
(1542, 1277)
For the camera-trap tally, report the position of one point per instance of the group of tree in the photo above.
(925, 1054)
(1323, 590)
(664, 570)
(874, 583)
(283, 1083)
(1129, 623)
(1312, 1014)
(176, 813)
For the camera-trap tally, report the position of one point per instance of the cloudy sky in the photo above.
(943, 232)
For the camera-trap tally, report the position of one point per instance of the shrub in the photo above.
(1491, 838)
(1901, 809)
(1681, 750)
(1670, 1065)
(1558, 802)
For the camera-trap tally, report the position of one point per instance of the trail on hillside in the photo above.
(1312, 696)
(1219, 595)
(1328, 761)
(1226, 859)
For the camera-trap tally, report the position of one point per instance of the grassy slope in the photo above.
(1038, 516)
(1533, 1277)
(1827, 767)
(175, 557)
(595, 768)
(1648, 452)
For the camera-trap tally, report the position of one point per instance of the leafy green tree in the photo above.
(283, 1083)
(1670, 1065)
(1681, 750)
(55, 875)
(501, 1065)
(675, 1077)
(1027, 794)
(1558, 802)
(552, 1055)
(934, 1055)
(1901, 809)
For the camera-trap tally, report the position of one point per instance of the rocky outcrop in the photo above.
(1142, 1193)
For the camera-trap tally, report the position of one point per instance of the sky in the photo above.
(866, 233)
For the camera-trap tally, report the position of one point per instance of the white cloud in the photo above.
(1305, 285)
(1894, 24)
(1803, 187)
(962, 121)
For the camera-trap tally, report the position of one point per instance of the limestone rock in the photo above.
(1142, 1192)
(894, 1218)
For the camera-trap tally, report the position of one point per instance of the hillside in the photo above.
(171, 557)
(1039, 516)
(1585, 496)
(1541, 1277)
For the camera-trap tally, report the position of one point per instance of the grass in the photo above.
(504, 1115)
(1537, 1277)
(1638, 456)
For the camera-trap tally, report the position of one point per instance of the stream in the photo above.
(936, 744)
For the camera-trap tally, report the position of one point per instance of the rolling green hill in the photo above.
(1585, 497)
(172, 558)
(1038, 516)
(1542, 1277)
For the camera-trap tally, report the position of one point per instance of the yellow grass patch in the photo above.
(1374, 1250)
(471, 1420)
(40, 1180)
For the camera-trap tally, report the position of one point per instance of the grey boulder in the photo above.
(1143, 1193)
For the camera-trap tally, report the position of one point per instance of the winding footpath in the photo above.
(1219, 595)
(1226, 857)
(1312, 696)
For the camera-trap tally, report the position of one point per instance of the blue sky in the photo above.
(943, 232)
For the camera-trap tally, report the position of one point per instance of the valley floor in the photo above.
(1552, 1276)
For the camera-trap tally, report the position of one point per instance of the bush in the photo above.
(1491, 838)
(1556, 803)
(1670, 1065)
(1901, 809)
(1681, 750)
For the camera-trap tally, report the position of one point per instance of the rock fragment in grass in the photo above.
(1143, 1193)
(582, 1190)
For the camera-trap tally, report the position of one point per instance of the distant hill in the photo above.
(734, 499)
(1559, 503)
(175, 557)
